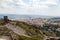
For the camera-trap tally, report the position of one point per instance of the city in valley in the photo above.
(31, 28)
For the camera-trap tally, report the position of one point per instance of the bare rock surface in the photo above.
(16, 29)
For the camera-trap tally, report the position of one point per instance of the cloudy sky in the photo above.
(30, 7)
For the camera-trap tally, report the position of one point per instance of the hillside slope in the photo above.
(29, 30)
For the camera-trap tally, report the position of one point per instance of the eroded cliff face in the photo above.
(7, 34)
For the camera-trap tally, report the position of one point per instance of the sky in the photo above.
(30, 7)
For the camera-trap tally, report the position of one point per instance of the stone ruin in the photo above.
(6, 19)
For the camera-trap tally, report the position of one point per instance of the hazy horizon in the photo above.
(29, 15)
(30, 7)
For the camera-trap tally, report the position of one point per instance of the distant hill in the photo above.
(12, 16)
(55, 19)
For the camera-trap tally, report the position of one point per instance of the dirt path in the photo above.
(46, 37)
(16, 29)
(5, 38)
